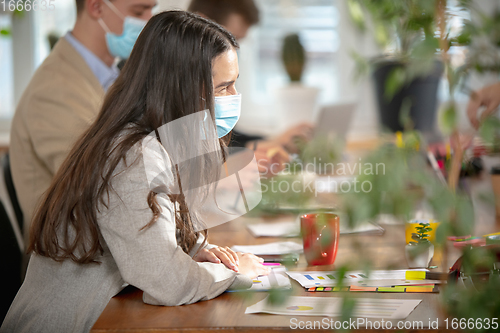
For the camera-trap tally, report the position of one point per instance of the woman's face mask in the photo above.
(121, 45)
(227, 113)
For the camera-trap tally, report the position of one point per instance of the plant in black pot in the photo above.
(409, 71)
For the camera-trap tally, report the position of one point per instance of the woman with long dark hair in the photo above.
(100, 225)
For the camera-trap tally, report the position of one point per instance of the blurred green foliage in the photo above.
(4, 32)
(407, 20)
(410, 33)
(482, 36)
(405, 30)
(448, 118)
(477, 297)
(292, 187)
(490, 133)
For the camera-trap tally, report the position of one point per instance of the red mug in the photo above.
(320, 234)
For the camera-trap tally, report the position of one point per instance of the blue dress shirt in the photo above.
(104, 74)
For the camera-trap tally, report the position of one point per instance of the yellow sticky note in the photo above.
(415, 275)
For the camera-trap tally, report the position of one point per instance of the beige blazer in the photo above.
(60, 102)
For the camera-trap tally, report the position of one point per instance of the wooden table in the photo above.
(127, 313)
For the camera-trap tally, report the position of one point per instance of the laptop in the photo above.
(335, 120)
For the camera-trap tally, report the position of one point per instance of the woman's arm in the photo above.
(150, 259)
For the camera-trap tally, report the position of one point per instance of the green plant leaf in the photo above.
(489, 130)
(448, 119)
(356, 13)
(404, 115)
(4, 32)
(464, 38)
(362, 66)
(394, 83)
(426, 48)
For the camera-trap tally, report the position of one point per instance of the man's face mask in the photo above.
(121, 45)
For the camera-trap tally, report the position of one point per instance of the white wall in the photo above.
(365, 122)
(260, 118)
(173, 4)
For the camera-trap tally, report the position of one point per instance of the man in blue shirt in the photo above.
(65, 94)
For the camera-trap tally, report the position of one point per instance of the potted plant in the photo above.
(408, 71)
(296, 102)
(420, 252)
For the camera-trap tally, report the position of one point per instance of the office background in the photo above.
(325, 29)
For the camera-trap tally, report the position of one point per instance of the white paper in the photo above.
(276, 248)
(332, 307)
(277, 279)
(292, 229)
(378, 278)
(363, 228)
(275, 229)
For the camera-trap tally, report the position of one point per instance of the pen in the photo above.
(271, 264)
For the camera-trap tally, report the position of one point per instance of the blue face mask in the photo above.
(121, 45)
(227, 113)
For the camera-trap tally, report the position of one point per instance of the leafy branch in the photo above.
(421, 236)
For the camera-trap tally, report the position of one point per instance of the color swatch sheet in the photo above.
(277, 279)
(423, 288)
(332, 307)
(276, 248)
(377, 278)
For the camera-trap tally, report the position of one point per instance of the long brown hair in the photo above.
(167, 75)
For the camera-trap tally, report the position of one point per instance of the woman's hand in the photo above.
(219, 255)
(251, 265)
(271, 158)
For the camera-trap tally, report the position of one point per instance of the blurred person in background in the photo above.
(238, 16)
(66, 92)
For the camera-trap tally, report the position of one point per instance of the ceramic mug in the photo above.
(320, 234)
